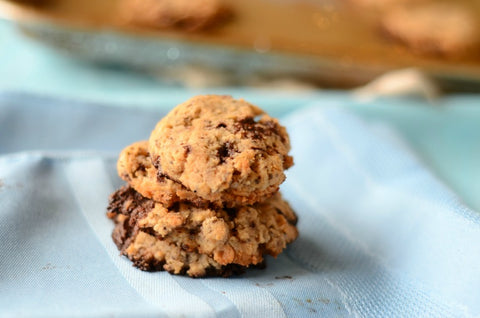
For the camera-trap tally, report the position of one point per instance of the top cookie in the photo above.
(218, 147)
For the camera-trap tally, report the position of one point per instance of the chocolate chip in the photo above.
(187, 121)
(157, 164)
(257, 130)
(175, 207)
(141, 168)
(269, 150)
(150, 264)
(227, 150)
(121, 233)
(127, 201)
(186, 247)
(249, 127)
(188, 149)
(254, 166)
(161, 177)
(272, 126)
(126, 207)
(150, 231)
(232, 212)
(221, 125)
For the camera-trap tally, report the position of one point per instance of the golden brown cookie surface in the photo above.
(220, 147)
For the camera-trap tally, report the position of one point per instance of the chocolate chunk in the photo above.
(250, 128)
(126, 207)
(141, 168)
(257, 130)
(232, 212)
(225, 151)
(156, 163)
(188, 149)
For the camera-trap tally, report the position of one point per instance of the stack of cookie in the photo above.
(202, 196)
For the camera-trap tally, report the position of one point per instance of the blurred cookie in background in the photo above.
(190, 15)
(383, 4)
(33, 2)
(437, 28)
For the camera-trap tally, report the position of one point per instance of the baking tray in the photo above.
(326, 42)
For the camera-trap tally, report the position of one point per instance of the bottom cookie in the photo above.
(199, 241)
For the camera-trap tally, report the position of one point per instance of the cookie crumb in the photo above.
(284, 277)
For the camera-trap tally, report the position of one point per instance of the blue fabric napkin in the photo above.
(379, 235)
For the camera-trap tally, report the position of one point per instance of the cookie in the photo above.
(135, 167)
(382, 5)
(433, 28)
(199, 241)
(222, 149)
(188, 15)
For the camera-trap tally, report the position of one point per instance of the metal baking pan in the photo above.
(325, 42)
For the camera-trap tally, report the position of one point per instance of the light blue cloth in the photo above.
(379, 235)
